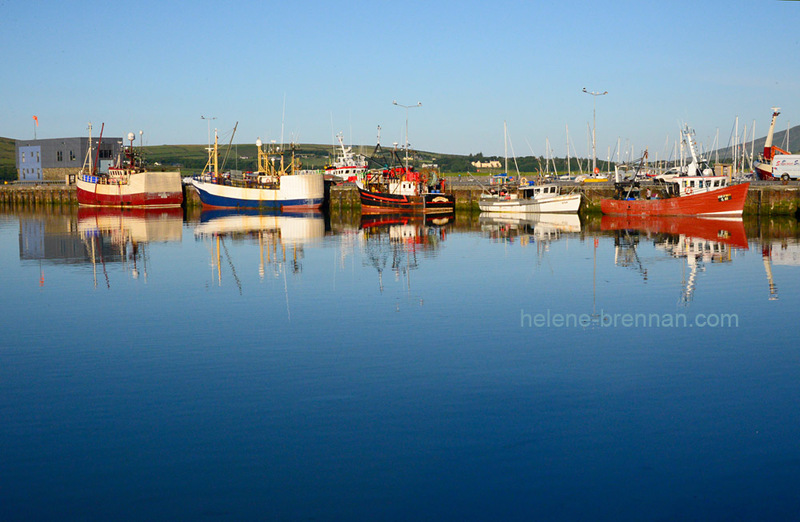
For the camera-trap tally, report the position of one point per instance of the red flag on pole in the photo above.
(36, 119)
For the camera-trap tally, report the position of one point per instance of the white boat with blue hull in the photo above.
(280, 187)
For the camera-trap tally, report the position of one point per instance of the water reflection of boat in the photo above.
(778, 253)
(529, 226)
(274, 233)
(138, 225)
(726, 231)
(696, 240)
(120, 235)
(377, 220)
(300, 227)
(398, 241)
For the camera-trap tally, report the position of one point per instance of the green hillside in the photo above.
(192, 158)
(8, 169)
(778, 140)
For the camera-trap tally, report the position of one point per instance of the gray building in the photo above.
(57, 158)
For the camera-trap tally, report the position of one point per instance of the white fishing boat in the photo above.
(279, 187)
(346, 166)
(528, 197)
(546, 198)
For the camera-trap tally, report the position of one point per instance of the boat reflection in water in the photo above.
(280, 236)
(779, 253)
(543, 228)
(114, 235)
(397, 241)
(697, 240)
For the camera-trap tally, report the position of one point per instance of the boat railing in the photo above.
(104, 179)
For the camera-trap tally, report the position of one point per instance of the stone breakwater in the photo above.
(763, 198)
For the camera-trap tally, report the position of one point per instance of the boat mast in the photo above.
(89, 152)
(736, 147)
(97, 159)
(216, 154)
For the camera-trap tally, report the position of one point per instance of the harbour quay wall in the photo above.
(767, 198)
(36, 195)
(763, 198)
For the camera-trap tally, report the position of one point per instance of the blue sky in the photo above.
(159, 66)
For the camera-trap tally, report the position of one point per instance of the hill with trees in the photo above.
(192, 158)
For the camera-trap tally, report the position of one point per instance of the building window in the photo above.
(71, 156)
(105, 154)
(23, 157)
(60, 155)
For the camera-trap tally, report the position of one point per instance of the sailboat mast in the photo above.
(569, 169)
(505, 145)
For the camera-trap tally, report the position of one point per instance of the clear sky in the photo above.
(157, 66)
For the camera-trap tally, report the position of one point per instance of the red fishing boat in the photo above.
(726, 201)
(695, 191)
(400, 188)
(128, 183)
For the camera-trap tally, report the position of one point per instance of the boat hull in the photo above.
(143, 189)
(727, 201)
(763, 171)
(563, 204)
(424, 203)
(295, 192)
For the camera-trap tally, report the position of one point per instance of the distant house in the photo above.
(486, 164)
(57, 158)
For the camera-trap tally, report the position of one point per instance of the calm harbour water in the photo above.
(228, 366)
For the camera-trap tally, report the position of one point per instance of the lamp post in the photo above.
(208, 120)
(594, 125)
(406, 107)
